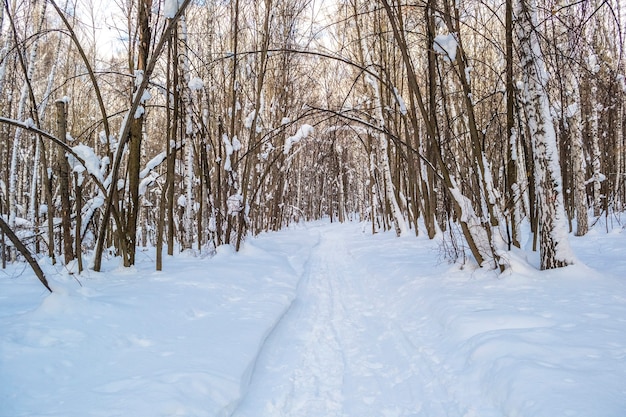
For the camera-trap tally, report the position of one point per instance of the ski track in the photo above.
(339, 350)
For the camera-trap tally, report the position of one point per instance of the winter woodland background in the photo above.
(207, 121)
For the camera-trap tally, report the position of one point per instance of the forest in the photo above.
(491, 122)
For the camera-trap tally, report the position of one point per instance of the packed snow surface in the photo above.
(319, 320)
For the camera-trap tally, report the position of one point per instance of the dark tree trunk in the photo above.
(64, 185)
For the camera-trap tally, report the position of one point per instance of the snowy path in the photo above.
(341, 351)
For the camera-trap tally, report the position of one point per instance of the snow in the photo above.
(249, 119)
(621, 80)
(147, 182)
(146, 96)
(319, 320)
(468, 74)
(236, 144)
(303, 132)
(234, 204)
(446, 45)
(153, 163)
(196, 84)
(88, 210)
(229, 148)
(92, 161)
(571, 110)
(138, 78)
(600, 177)
(592, 62)
(139, 112)
(401, 102)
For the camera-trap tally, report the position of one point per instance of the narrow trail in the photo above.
(341, 350)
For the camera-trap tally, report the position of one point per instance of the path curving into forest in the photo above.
(343, 349)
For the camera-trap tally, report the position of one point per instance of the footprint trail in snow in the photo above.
(340, 351)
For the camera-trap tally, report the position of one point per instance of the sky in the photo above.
(110, 22)
(108, 27)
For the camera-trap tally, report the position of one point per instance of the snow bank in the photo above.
(529, 343)
(134, 342)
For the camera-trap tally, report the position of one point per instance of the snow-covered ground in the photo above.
(319, 320)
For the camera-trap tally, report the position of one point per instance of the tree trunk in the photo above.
(135, 137)
(399, 221)
(578, 157)
(252, 138)
(78, 179)
(136, 105)
(63, 174)
(512, 188)
(554, 245)
(597, 176)
(168, 146)
(481, 250)
(29, 69)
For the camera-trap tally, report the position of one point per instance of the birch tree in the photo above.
(22, 112)
(554, 248)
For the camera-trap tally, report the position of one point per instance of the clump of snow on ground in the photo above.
(319, 320)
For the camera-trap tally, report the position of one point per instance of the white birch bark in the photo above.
(340, 185)
(400, 224)
(578, 157)
(619, 124)
(21, 110)
(190, 135)
(32, 213)
(555, 250)
(477, 223)
(597, 176)
(373, 187)
(3, 63)
(3, 52)
(619, 160)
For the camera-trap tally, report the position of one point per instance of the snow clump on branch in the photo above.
(304, 131)
(196, 84)
(170, 8)
(446, 45)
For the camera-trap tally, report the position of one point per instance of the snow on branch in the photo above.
(153, 163)
(446, 45)
(90, 161)
(170, 8)
(196, 84)
(302, 133)
(400, 100)
(79, 155)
